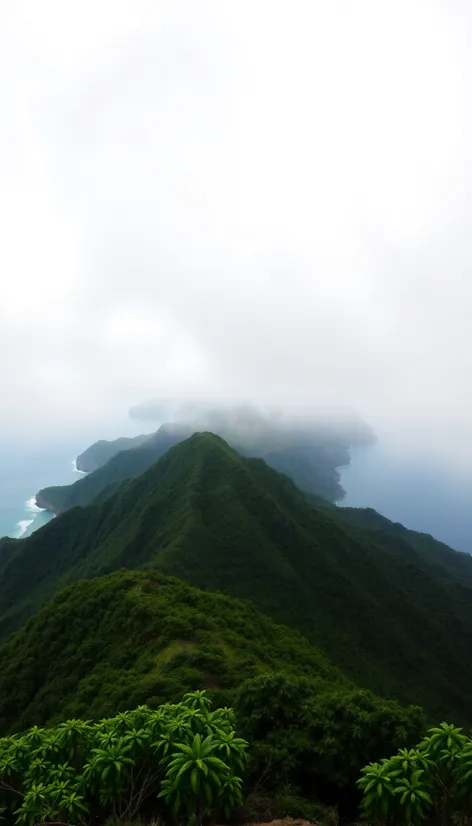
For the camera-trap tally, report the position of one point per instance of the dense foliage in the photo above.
(389, 606)
(391, 620)
(397, 538)
(184, 754)
(133, 637)
(318, 741)
(432, 782)
(310, 743)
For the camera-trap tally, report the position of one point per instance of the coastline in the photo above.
(35, 506)
(23, 526)
(76, 469)
(43, 505)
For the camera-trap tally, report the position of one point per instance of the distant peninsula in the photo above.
(307, 449)
(100, 452)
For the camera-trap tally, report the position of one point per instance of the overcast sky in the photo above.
(248, 198)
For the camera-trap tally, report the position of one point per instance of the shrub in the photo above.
(319, 741)
(185, 754)
(434, 779)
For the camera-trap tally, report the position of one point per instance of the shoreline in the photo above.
(77, 469)
(23, 525)
(36, 505)
(43, 505)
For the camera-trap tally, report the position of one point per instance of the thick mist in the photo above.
(241, 200)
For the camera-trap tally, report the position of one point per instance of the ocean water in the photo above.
(25, 471)
(422, 496)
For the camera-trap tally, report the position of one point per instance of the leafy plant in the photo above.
(435, 777)
(196, 778)
(184, 754)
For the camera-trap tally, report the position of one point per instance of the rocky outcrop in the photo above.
(44, 505)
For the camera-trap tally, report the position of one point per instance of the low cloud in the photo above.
(263, 201)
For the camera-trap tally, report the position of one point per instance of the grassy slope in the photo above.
(221, 522)
(108, 644)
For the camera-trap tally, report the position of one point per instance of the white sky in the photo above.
(247, 198)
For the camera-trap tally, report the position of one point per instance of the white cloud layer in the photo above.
(267, 199)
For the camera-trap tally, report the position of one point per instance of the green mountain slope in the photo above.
(221, 522)
(125, 464)
(132, 637)
(102, 451)
(394, 535)
(309, 453)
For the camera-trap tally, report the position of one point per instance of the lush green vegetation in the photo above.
(306, 747)
(134, 637)
(182, 754)
(94, 623)
(388, 618)
(309, 454)
(315, 742)
(432, 781)
(123, 465)
(185, 760)
(102, 451)
(395, 537)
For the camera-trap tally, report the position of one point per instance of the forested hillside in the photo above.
(395, 536)
(115, 642)
(383, 614)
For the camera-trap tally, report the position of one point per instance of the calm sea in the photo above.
(22, 473)
(25, 470)
(423, 497)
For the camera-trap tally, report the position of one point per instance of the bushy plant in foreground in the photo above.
(430, 782)
(185, 755)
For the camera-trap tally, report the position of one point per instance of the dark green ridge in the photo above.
(384, 614)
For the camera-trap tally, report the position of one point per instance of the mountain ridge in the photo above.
(123, 465)
(223, 522)
(309, 452)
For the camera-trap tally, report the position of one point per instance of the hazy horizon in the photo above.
(263, 201)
